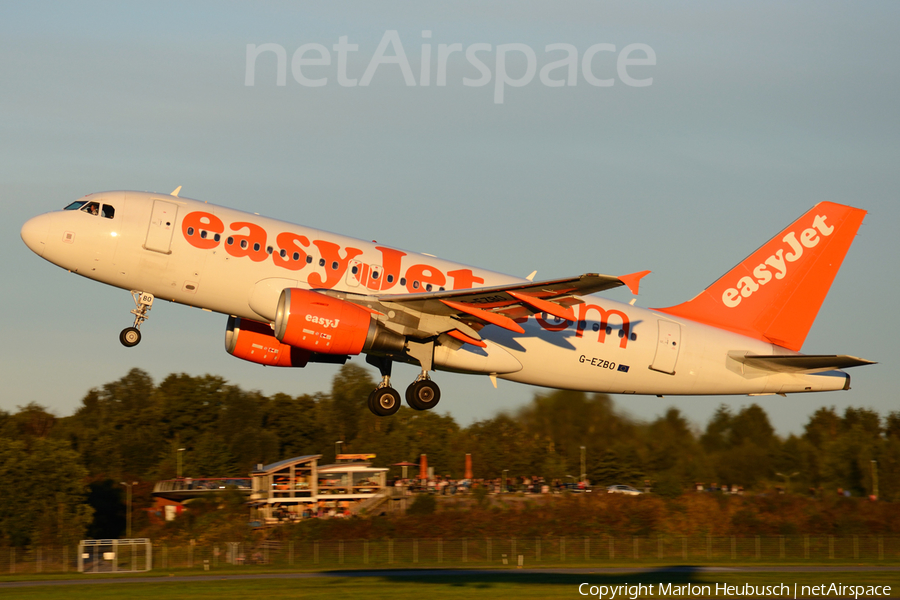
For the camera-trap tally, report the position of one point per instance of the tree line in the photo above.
(63, 473)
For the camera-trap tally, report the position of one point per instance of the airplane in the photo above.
(296, 295)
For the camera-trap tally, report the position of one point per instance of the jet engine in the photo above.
(254, 341)
(320, 323)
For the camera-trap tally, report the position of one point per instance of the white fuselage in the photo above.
(178, 249)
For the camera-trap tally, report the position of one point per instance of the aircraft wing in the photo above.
(462, 313)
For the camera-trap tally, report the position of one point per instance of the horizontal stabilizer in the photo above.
(800, 363)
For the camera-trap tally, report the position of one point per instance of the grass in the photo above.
(409, 585)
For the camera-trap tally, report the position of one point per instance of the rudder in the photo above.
(775, 293)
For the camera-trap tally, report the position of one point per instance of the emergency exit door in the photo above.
(669, 343)
(162, 226)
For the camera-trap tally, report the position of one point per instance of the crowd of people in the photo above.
(445, 485)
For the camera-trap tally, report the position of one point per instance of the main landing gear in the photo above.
(422, 394)
(131, 336)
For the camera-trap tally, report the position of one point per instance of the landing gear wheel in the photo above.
(384, 401)
(130, 336)
(423, 395)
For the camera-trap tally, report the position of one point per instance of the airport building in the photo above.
(288, 490)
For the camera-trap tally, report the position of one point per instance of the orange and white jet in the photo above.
(296, 295)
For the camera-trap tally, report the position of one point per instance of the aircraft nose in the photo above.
(34, 233)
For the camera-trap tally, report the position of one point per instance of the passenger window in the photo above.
(415, 285)
(321, 262)
(229, 241)
(256, 247)
(107, 212)
(296, 256)
(334, 266)
(190, 231)
(308, 259)
(244, 244)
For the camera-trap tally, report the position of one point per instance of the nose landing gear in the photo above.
(143, 301)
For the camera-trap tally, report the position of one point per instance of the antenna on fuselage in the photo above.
(176, 192)
(531, 277)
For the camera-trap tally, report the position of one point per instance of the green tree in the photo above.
(294, 422)
(44, 496)
(350, 391)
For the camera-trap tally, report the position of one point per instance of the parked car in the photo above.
(623, 489)
(576, 488)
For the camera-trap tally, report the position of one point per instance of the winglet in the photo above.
(633, 280)
(176, 192)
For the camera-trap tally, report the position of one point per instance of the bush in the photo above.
(668, 486)
(424, 504)
(480, 493)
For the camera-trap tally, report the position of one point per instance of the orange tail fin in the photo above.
(775, 293)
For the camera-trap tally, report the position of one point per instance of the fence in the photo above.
(455, 552)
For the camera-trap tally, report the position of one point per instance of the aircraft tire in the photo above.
(410, 401)
(384, 401)
(130, 336)
(423, 395)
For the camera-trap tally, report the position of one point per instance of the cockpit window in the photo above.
(76, 205)
(92, 208)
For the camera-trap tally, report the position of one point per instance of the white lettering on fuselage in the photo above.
(326, 323)
(778, 261)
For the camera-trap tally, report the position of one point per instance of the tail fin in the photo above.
(775, 293)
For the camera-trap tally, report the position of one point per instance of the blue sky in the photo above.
(756, 112)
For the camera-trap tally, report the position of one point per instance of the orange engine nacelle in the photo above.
(254, 341)
(327, 325)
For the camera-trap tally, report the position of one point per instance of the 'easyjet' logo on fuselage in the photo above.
(777, 262)
(206, 231)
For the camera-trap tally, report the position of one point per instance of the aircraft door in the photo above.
(162, 226)
(375, 276)
(354, 273)
(667, 347)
